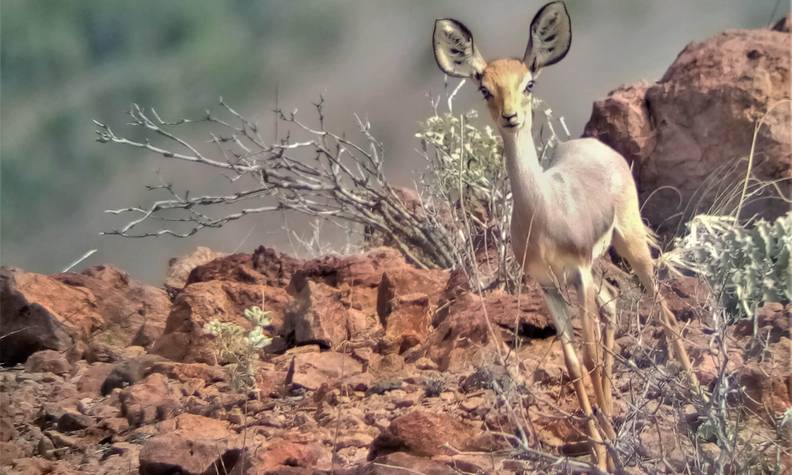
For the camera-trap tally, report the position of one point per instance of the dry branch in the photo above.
(312, 170)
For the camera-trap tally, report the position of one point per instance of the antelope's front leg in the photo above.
(591, 340)
(558, 310)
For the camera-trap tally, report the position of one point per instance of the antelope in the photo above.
(566, 216)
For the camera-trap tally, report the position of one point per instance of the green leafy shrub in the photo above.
(746, 266)
(238, 350)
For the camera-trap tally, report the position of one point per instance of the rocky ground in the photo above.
(376, 367)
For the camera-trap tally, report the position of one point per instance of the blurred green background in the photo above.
(65, 62)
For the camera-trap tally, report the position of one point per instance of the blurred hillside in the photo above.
(64, 63)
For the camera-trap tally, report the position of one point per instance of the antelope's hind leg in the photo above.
(635, 249)
(606, 302)
(558, 310)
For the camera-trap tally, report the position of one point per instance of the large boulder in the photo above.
(152, 399)
(63, 312)
(346, 298)
(48, 361)
(282, 454)
(313, 369)
(265, 266)
(689, 135)
(470, 329)
(38, 312)
(354, 270)
(191, 444)
(184, 338)
(134, 313)
(323, 314)
(423, 433)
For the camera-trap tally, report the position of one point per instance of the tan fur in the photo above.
(503, 78)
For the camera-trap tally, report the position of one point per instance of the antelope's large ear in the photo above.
(454, 50)
(551, 35)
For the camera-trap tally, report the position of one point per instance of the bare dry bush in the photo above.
(311, 170)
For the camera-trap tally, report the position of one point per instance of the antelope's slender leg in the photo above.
(558, 310)
(636, 251)
(591, 347)
(607, 306)
(590, 334)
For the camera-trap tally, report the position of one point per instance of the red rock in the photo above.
(408, 281)
(461, 338)
(48, 361)
(336, 297)
(191, 444)
(8, 452)
(134, 313)
(115, 425)
(184, 338)
(389, 365)
(422, 433)
(399, 463)
(407, 321)
(772, 321)
(264, 267)
(38, 312)
(185, 372)
(31, 466)
(74, 421)
(317, 316)
(355, 270)
(281, 454)
(698, 121)
(312, 370)
(768, 388)
(7, 430)
(120, 458)
(152, 399)
(525, 314)
(688, 298)
(128, 372)
(620, 120)
(270, 382)
(179, 268)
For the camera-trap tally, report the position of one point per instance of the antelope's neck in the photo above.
(528, 187)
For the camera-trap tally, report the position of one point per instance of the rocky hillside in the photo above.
(378, 367)
(374, 365)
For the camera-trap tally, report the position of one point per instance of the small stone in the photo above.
(473, 403)
(235, 416)
(48, 361)
(425, 364)
(381, 387)
(73, 421)
(115, 425)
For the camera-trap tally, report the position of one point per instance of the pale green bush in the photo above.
(238, 349)
(745, 266)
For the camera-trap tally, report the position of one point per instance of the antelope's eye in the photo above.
(485, 92)
(529, 87)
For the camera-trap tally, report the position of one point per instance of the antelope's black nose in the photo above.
(509, 117)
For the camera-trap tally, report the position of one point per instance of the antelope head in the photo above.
(506, 84)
